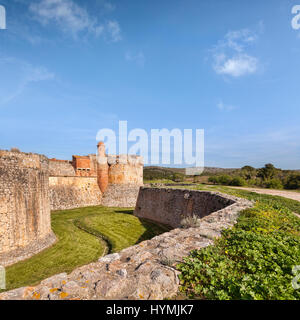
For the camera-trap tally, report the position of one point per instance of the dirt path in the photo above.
(282, 193)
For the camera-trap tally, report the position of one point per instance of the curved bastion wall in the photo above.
(148, 269)
(31, 186)
(170, 206)
(25, 225)
(125, 177)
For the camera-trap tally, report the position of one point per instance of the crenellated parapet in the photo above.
(119, 177)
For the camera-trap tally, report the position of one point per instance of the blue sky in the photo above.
(71, 67)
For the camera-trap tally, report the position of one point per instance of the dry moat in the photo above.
(143, 250)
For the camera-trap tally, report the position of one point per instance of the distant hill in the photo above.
(207, 170)
(213, 170)
(279, 178)
(178, 174)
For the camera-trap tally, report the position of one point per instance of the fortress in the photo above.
(31, 186)
(101, 179)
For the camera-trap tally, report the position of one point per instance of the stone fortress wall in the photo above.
(110, 180)
(73, 184)
(143, 271)
(146, 270)
(61, 168)
(74, 192)
(170, 206)
(124, 174)
(31, 186)
(25, 225)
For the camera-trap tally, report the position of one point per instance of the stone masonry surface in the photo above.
(31, 185)
(144, 271)
(61, 168)
(170, 206)
(73, 184)
(121, 195)
(25, 226)
(74, 192)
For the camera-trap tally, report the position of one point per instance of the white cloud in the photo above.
(236, 66)
(114, 30)
(138, 58)
(25, 74)
(225, 107)
(238, 40)
(71, 18)
(230, 57)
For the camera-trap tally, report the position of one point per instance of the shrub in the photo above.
(177, 177)
(274, 184)
(213, 179)
(238, 181)
(254, 260)
(253, 182)
(248, 172)
(267, 172)
(190, 222)
(293, 181)
(224, 180)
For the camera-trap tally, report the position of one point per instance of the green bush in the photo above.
(225, 180)
(238, 181)
(213, 179)
(248, 172)
(253, 260)
(266, 177)
(177, 177)
(293, 181)
(274, 184)
(267, 172)
(254, 182)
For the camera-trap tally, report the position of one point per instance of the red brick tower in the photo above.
(102, 168)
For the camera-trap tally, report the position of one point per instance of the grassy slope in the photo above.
(253, 260)
(76, 247)
(122, 230)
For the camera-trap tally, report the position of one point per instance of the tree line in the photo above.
(266, 177)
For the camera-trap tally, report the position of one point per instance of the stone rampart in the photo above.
(144, 271)
(125, 169)
(31, 185)
(25, 226)
(120, 195)
(170, 206)
(61, 168)
(74, 192)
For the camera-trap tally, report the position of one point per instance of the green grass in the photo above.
(81, 234)
(123, 230)
(162, 181)
(291, 204)
(254, 259)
